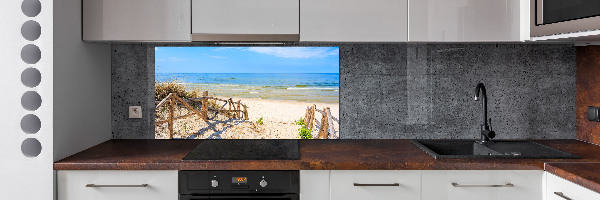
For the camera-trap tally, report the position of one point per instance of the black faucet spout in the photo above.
(486, 132)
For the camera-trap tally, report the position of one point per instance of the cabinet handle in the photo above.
(94, 185)
(362, 184)
(560, 194)
(505, 185)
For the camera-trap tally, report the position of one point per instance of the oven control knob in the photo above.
(263, 183)
(214, 183)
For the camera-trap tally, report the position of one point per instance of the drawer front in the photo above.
(566, 190)
(482, 184)
(314, 184)
(112, 185)
(371, 185)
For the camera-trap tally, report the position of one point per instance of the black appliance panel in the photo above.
(233, 185)
(554, 11)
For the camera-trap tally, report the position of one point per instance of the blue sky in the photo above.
(247, 60)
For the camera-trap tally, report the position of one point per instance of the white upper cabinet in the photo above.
(354, 20)
(468, 20)
(245, 20)
(136, 20)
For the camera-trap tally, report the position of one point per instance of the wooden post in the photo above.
(171, 116)
(311, 117)
(229, 112)
(239, 108)
(204, 109)
(331, 129)
(324, 126)
(245, 113)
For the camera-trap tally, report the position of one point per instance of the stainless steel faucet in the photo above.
(486, 130)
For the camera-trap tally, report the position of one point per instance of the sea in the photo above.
(305, 87)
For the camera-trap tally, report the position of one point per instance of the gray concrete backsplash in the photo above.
(406, 91)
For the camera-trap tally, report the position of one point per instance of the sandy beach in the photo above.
(278, 121)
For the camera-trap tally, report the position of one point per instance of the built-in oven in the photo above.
(553, 17)
(233, 185)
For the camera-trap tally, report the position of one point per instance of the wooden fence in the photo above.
(325, 126)
(172, 99)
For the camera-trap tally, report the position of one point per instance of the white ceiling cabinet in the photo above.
(354, 20)
(136, 20)
(243, 20)
(468, 20)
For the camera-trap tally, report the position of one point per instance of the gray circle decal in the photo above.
(31, 100)
(31, 8)
(31, 30)
(31, 54)
(31, 147)
(31, 124)
(31, 77)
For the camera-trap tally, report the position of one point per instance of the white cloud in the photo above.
(174, 59)
(214, 56)
(171, 59)
(227, 48)
(296, 52)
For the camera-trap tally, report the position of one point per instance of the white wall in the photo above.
(82, 84)
(24, 177)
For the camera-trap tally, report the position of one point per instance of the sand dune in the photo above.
(278, 117)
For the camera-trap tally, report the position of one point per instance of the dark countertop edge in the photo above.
(100, 157)
(579, 179)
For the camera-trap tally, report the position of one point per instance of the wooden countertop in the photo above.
(581, 173)
(314, 155)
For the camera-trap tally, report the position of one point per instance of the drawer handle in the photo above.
(560, 194)
(377, 185)
(94, 185)
(505, 185)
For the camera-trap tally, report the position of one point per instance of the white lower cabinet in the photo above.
(482, 184)
(117, 185)
(375, 185)
(314, 184)
(561, 189)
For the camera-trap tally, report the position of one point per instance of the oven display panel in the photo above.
(239, 180)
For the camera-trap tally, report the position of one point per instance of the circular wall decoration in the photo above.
(31, 30)
(31, 8)
(31, 147)
(31, 124)
(31, 77)
(31, 54)
(31, 100)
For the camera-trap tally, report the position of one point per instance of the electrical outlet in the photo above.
(135, 112)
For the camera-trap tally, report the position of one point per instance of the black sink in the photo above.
(492, 149)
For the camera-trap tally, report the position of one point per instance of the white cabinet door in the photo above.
(354, 20)
(136, 20)
(561, 189)
(468, 20)
(482, 184)
(117, 185)
(245, 16)
(375, 185)
(314, 184)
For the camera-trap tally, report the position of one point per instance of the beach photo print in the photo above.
(247, 93)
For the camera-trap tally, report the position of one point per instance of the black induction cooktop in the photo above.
(248, 149)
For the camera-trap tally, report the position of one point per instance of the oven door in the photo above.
(236, 197)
